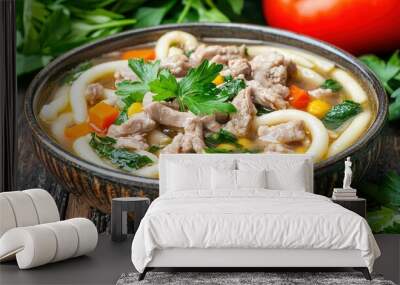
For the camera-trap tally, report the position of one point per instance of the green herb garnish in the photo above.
(341, 113)
(331, 84)
(122, 158)
(238, 150)
(195, 91)
(74, 73)
(389, 74)
(223, 136)
(154, 148)
(123, 116)
(133, 91)
(262, 110)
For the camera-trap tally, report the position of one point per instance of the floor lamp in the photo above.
(8, 96)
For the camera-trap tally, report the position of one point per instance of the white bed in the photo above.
(280, 225)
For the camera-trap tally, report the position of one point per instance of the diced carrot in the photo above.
(77, 131)
(299, 98)
(147, 54)
(103, 115)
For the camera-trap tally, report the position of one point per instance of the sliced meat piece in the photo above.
(193, 137)
(326, 94)
(210, 123)
(239, 67)
(272, 96)
(137, 142)
(175, 145)
(141, 123)
(166, 115)
(94, 93)
(292, 131)
(277, 148)
(271, 68)
(178, 64)
(240, 122)
(216, 53)
(124, 73)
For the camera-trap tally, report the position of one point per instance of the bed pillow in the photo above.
(188, 176)
(251, 178)
(290, 175)
(231, 180)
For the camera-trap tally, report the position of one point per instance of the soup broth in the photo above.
(124, 109)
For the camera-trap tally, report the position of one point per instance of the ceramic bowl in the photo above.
(97, 186)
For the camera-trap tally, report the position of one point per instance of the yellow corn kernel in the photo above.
(318, 108)
(300, 149)
(226, 146)
(135, 108)
(245, 142)
(218, 80)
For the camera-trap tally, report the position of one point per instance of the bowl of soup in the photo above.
(102, 114)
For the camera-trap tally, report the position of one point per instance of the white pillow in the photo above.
(251, 178)
(282, 174)
(187, 176)
(224, 179)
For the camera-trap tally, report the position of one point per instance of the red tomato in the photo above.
(358, 26)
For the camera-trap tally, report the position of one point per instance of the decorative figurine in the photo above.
(347, 174)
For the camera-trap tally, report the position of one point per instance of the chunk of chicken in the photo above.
(193, 137)
(191, 140)
(166, 115)
(210, 123)
(326, 95)
(272, 96)
(137, 142)
(239, 67)
(94, 93)
(124, 73)
(178, 64)
(240, 122)
(292, 131)
(271, 68)
(139, 124)
(216, 53)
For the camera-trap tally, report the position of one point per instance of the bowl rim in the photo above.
(118, 176)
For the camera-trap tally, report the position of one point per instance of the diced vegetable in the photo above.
(299, 98)
(341, 113)
(218, 80)
(146, 54)
(318, 108)
(122, 158)
(300, 149)
(245, 142)
(226, 146)
(103, 115)
(135, 108)
(78, 130)
(331, 84)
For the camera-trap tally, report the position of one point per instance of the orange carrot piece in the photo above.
(146, 54)
(103, 115)
(77, 131)
(299, 98)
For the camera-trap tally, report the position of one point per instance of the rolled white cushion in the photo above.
(7, 218)
(87, 235)
(67, 240)
(33, 246)
(45, 205)
(251, 178)
(40, 244)
(23, 208)
(223, 179)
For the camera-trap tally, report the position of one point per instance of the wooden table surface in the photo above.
(32, 174)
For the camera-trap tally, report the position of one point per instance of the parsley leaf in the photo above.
(195, 91)
(133, 91)
(341, 113)
(331, 84)
(74, 73)
(122, 158)
(223, 136)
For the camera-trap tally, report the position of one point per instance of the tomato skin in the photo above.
(358, 26)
